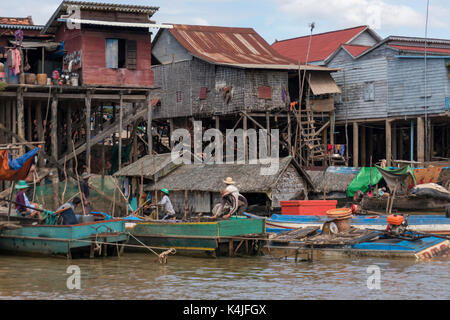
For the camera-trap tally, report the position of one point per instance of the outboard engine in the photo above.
(397, 224)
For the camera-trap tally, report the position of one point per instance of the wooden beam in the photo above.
(111, 129)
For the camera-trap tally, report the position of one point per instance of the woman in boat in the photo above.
(23, 205)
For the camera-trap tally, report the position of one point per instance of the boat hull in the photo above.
(63, 240)
(424, 249)
(421, 223)
(199, 237)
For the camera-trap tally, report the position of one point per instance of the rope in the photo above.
(161, 257)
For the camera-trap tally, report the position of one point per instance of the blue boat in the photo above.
(90, 239)
(380, 245)
(438, 224)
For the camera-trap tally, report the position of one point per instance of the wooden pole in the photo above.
(420, 140)
(289, 132)
(388, 143)
(149, 123)
(54, 140)
(120, 130)
(78, 179)
(54, 132)
(69, 132)
(40, 128)
(244, 122)
(20, 116)
(88, 131)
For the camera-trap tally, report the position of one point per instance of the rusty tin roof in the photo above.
(228, 46)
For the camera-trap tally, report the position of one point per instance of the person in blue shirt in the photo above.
(67, 211)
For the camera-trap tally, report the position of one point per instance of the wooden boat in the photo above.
(366, 243)
(97, 238)
(214, 238)
(277, 223)
(408, 203)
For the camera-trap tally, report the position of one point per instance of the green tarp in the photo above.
(371, 176)
(365, 177)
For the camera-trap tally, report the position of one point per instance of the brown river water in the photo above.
(139, 276)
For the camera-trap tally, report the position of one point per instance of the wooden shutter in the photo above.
(203, 93)
(265, 92)
(132, 54)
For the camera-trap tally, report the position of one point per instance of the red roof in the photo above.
(17, 21)
(224, 45)
(355, 50)
(322, 44)
(421, 49)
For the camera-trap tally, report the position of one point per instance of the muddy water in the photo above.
(137, 276)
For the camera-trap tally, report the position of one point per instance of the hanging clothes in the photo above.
(17, 61)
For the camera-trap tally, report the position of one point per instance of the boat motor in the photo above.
(397, 224)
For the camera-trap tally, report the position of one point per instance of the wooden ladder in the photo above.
(310, 139)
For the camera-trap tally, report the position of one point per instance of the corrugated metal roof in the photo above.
(228, 46)
(322, 44)
(95, 6)
(355, 50)
(421, 49)
(111, 7)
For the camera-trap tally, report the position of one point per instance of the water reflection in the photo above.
(138, 276)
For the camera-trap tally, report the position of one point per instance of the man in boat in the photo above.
(67, 211)
(166, 206)
(84, 186)
(232, 197)
(23, 205)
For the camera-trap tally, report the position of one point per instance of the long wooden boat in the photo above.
(407, 203)
(98, 238)
(237, 235)
(379, 246)
(277, 223)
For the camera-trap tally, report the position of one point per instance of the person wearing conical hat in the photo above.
(23, 205)
(231, 197)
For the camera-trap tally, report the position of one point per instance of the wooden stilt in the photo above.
(20, 116)
(388, 143)
(40, 128)
(420, 140)
(120, 130)
(88, 131)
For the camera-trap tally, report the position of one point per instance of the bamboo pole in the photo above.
(78, 178)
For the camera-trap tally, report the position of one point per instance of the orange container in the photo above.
(307, 207)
